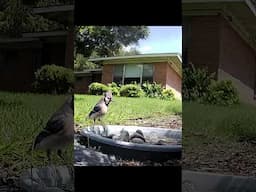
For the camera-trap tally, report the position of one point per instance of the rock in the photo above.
(139, 132)
(137, 136)
(48, 179)
(137, 140)
(88, 157)
(124, 135)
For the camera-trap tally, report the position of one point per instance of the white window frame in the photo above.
(141, 72)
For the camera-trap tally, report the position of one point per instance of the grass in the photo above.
(124, 108)
(22, 117)
(234, 123)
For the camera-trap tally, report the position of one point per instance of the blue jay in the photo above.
(101, 108)
(59, 130)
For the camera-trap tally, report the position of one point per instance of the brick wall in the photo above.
(173, 80)
(17, 73)
(237, 62)
(236, 57)
(214, 43)
(160, 73)
(82, 82)
(203, 44)
(165, 75)
(107, 73)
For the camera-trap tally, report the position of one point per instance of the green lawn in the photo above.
(22, 117)
(219, 139)
(234, 123)
(124, 108)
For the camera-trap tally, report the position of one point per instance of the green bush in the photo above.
(167, 94)
(195, 83)
(53, 79)
(114, 88)
(222, 93)
(131, 90)
(97, 88)
(152, 90)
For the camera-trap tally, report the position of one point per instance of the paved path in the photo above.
(207, 182)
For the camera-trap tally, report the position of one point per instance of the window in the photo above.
(118, 74)
(129, 73)
(132, 73)
(147, 74)
(8, 59)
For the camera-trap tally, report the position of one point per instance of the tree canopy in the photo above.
(17, 18)
(107, 40)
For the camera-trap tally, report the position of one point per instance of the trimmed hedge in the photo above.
(131, 90)
(114, 88)
(222, 93)
(97, 88)
(53, 79)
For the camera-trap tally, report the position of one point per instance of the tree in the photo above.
(17, 18)
(82, 63)
(107, 40)
(132, 51)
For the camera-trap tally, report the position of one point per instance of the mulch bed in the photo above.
(220, 157)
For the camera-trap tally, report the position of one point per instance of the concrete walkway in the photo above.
(208, 182)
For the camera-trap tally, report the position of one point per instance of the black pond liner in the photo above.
(134, 151)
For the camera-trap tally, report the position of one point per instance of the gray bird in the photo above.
(101, 108)
(59, 130)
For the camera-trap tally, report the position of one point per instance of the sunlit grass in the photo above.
(22, 117)
(124, 108)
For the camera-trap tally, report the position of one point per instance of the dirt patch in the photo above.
(172, 121)
(219, 157)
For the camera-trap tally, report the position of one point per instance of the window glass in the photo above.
(132, 70)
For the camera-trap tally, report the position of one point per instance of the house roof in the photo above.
(174, 59)
(60, 13)
(88, 72)
(241, 14)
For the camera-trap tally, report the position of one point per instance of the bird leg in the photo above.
(94, 120)
(59, 152)
(105, 133)
(49, 156)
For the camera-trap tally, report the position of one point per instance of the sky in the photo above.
(161, 39)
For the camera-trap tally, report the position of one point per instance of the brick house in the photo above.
(21, 57)
(221, 34)
(160, 68)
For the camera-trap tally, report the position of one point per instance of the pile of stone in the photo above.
(139, 138)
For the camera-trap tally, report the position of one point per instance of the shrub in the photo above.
(131, 90)
(152, 89)
(97, 88)
(167, 94)
(53, 79)
(195, 83)
(222, 93)
(114, 88)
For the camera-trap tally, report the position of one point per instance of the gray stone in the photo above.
(124, 135)
(137, 140)
(47, 179)
(203, 181)
(89, 157)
